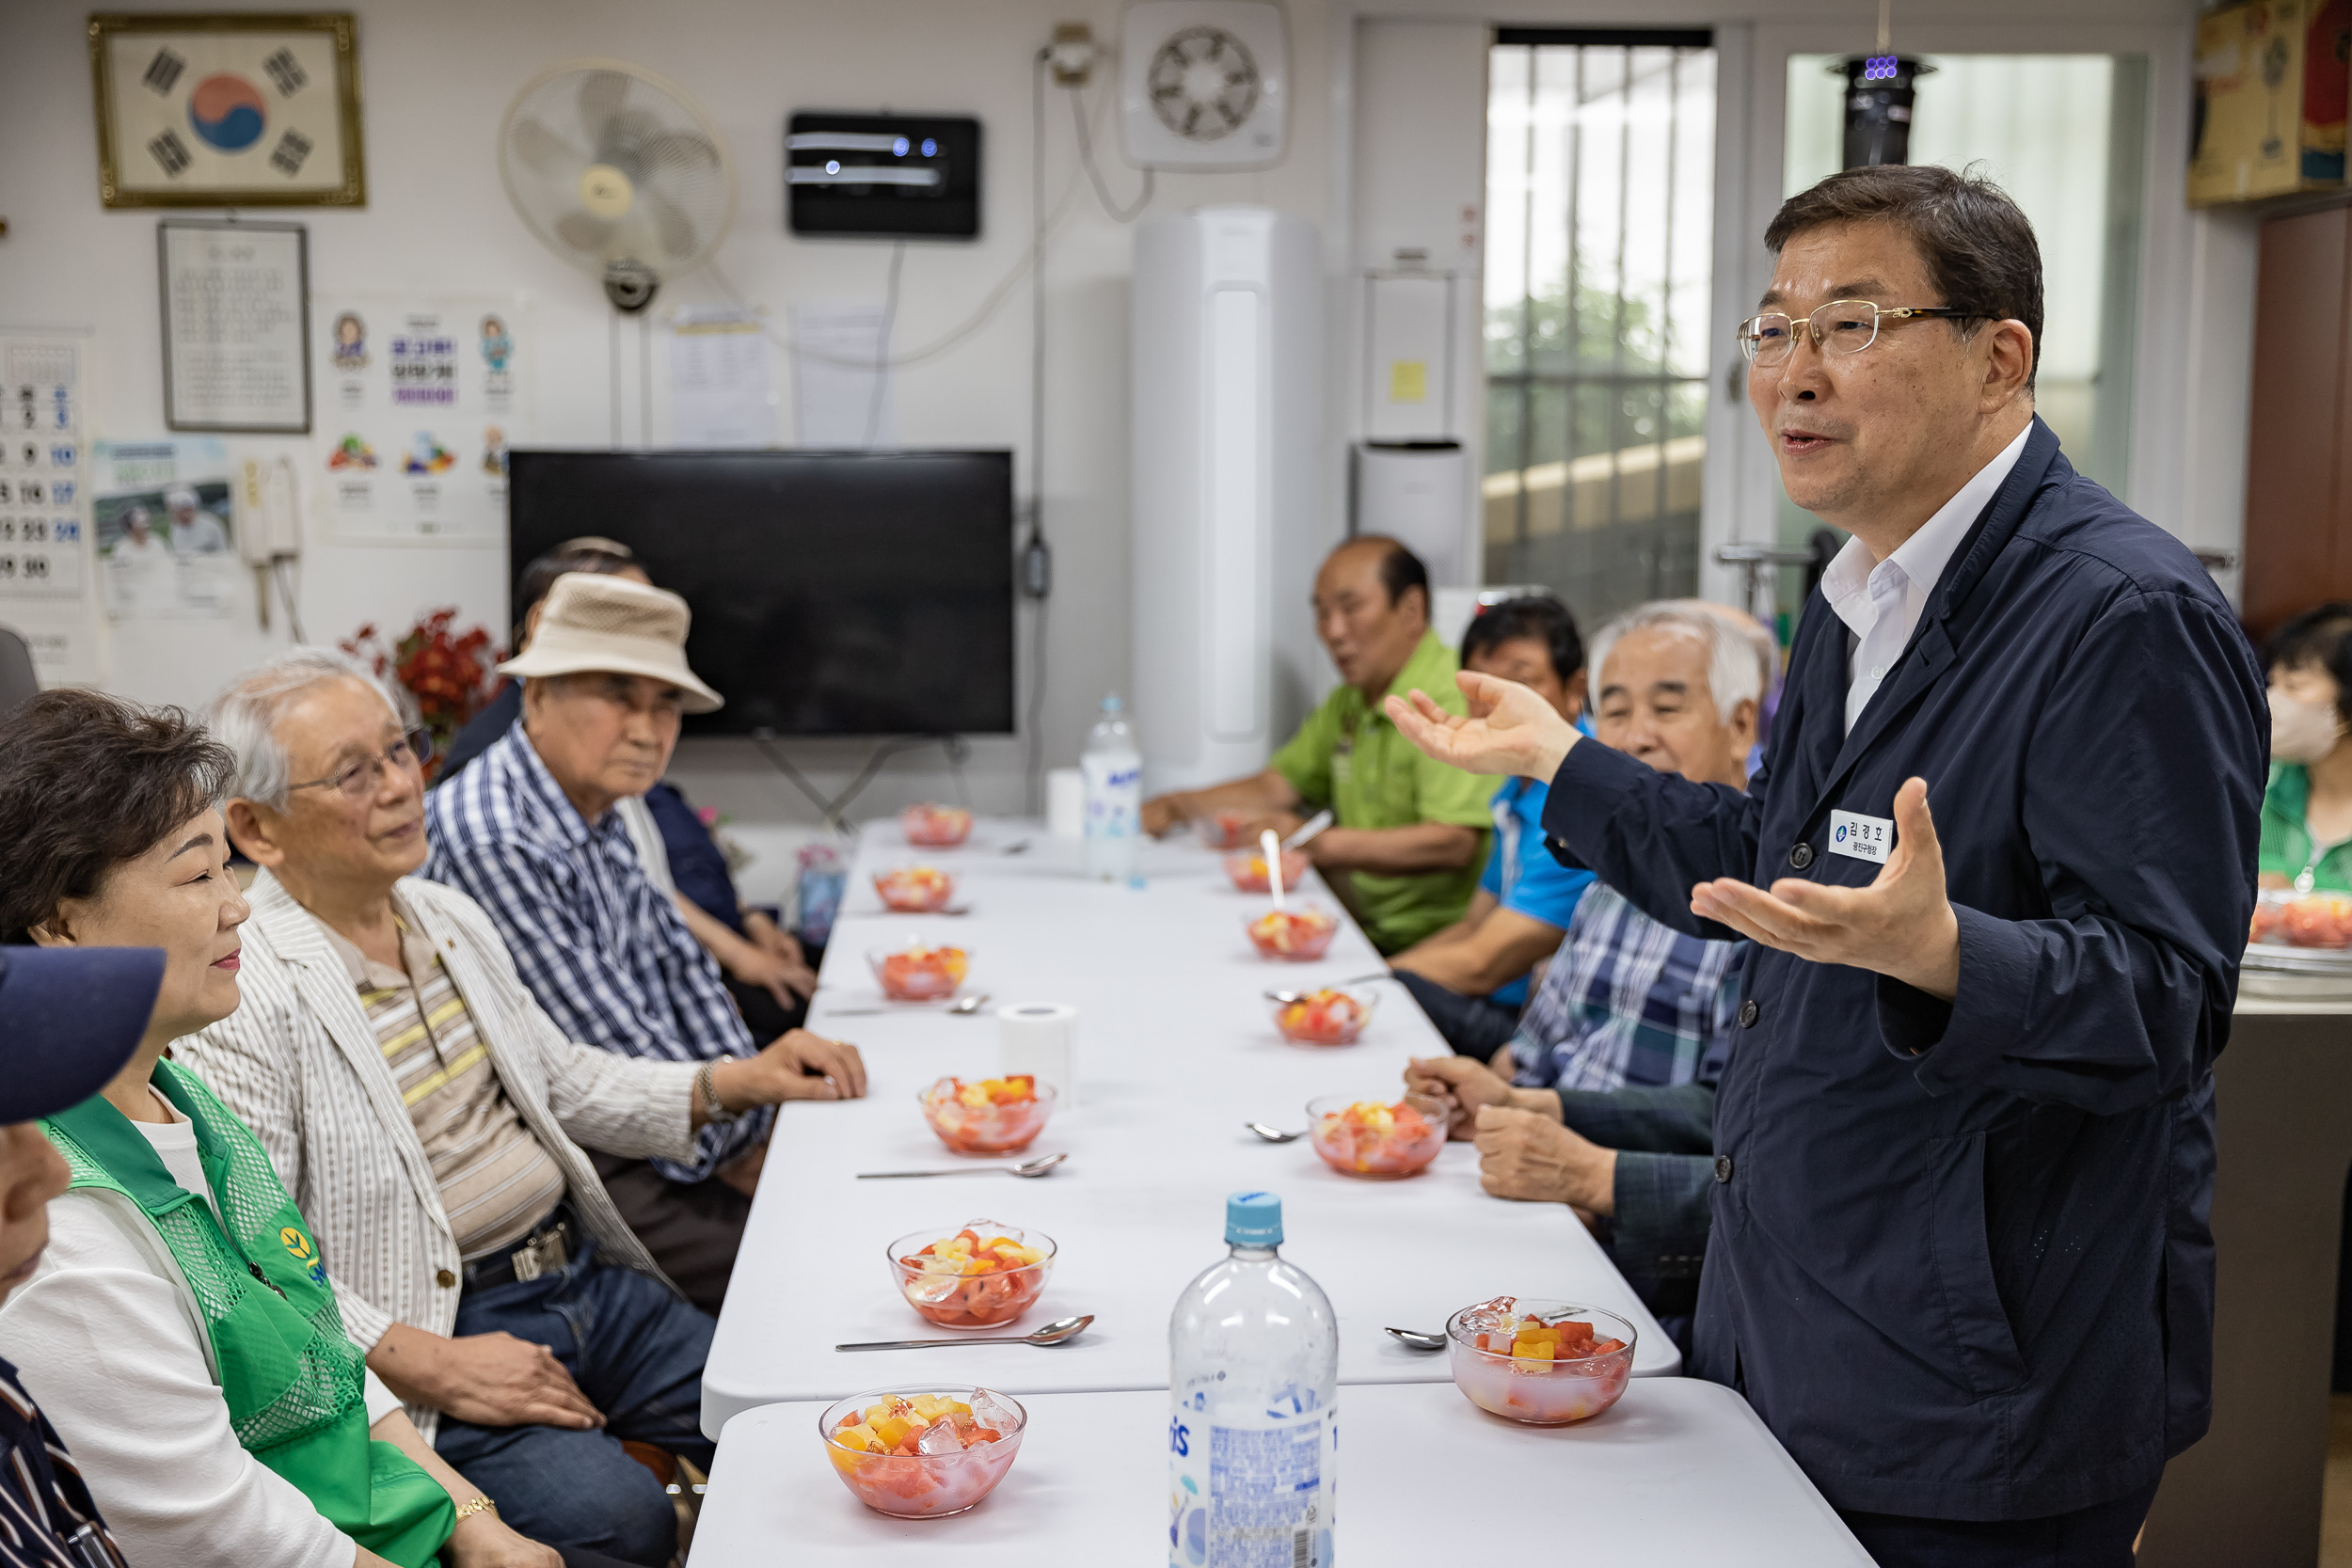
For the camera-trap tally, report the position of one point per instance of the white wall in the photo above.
(436, 75)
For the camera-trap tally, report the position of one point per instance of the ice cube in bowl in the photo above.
(983, 1275)
(935, 827)
(1378, 1139)
(988, 1115)
(1326, 1016)
(917, 1475)
(919, 971)
(1550, 1362)
(915, 889)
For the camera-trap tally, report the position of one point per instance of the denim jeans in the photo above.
(637, 1351)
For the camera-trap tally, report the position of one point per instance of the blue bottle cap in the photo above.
(1112, 705)
(1253, 1219)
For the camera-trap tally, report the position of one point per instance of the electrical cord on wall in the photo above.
(1102, 190)
(882, 344)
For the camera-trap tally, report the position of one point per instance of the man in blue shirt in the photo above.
(1472, 977)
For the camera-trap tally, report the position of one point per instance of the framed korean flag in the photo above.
(246, 110)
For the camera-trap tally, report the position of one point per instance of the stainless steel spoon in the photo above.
(1055, 1333)
(964, 1008)
(1273, 1134)
(1413, 1338)
(1284, 998)
(1039, 1166)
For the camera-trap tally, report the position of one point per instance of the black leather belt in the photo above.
(544, 1251)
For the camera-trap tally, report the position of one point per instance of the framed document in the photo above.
(252, 110)
(236, 326)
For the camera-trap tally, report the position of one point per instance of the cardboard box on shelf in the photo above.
(2271, 88)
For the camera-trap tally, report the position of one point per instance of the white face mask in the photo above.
(2301, 731)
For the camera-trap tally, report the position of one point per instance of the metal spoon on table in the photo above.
(1055, 1333)
(1040, 1166)
(1284, 998)
(1413, 1338)
(1307, 829)
(1273, 1134)
(964, 1008)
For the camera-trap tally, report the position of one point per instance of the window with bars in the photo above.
(1601, 212)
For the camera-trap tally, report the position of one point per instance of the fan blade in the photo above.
(601, 95)
(671, 223)
(583, 233)
(544, 151)
(688, 152)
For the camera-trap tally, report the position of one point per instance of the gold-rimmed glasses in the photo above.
(363, 776)
(1841, 326)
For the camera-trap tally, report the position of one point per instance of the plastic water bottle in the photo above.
(1253, 1378)
(1114, 780)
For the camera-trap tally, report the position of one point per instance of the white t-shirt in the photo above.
(111, 1345)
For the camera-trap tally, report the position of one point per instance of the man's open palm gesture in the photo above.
(1508, 730)
(1900, 925)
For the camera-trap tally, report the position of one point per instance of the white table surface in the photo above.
(1176, 1051)
(1679, 1474)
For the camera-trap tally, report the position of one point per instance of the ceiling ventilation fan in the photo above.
(619, 172)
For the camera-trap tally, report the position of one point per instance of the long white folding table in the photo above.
(1680, 1473)
(1176, 1051)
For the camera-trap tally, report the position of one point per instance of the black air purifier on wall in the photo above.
(1878, 99)
(882, 177)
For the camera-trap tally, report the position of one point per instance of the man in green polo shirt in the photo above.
(1410, 834)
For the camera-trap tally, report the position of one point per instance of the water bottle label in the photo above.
(1250, 1497)
(1114, 799)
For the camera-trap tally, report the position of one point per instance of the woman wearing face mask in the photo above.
(2307, 812)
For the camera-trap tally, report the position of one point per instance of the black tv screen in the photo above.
(833, 592)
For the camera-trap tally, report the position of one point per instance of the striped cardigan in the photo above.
(300, 1062)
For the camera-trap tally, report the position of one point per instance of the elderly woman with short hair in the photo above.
(430, 1117)
(179, 1331)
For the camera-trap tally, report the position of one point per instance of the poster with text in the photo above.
(47, 586)
(419, 400)
(162, 514)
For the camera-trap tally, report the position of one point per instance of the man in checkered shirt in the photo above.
(531, 833)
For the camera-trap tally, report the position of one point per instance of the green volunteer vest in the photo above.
(291, 1375)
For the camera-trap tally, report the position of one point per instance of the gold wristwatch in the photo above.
(707, 1084)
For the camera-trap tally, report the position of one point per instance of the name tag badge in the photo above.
(1865, 838)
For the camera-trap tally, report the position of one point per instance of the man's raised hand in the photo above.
(1508, 730)
(1901, 926)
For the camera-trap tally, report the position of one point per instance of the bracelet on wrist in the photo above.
(479, 1504)
(706, 1086)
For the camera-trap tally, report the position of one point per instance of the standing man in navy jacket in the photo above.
(1965, 1144)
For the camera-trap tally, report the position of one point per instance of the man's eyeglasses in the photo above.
(1841, 326)
(363, 776)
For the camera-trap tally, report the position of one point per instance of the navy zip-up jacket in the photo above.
(1960, 1261)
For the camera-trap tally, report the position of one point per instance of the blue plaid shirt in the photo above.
(1627, 1001)
(604, 951)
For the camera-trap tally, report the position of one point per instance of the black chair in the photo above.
(17, 681)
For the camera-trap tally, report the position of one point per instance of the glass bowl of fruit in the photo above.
(935, 827)
(2286, 917)
(1298, 934)
(1326, 1016)
(1246, 867)
(981, 1276)
(988, 1115)
(915, 889)
(1546, 1363)
(919, 971)
(924, 1450)
(1222, 829)
(1377, 1139)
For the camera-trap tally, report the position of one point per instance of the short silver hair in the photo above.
(1735, 673)
(244, 715)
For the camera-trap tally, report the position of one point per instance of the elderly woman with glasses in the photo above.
(431, 1119)
(178, 1330)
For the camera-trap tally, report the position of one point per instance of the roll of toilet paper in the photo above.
(1066, 802)
(1041, 1039)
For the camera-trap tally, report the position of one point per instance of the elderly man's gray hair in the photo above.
(1734, 674)
(244, 715)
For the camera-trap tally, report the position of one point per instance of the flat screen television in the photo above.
(835, 593)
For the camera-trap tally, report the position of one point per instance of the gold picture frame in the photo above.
(247, 109)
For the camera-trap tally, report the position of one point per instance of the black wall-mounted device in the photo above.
(882, 177)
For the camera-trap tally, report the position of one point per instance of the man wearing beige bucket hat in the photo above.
(531, 833)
